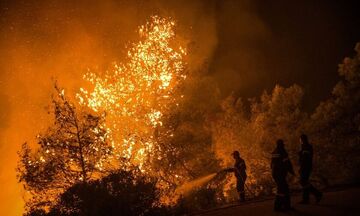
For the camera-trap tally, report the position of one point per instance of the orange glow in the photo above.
(135, 94)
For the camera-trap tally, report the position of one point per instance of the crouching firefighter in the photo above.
(281, 166)
(239, 170)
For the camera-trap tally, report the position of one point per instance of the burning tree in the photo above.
(136, 94)
(74, 149)
(146, 117)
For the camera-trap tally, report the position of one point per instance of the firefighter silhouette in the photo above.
(239, 170)
(281, 166)
(305, 162)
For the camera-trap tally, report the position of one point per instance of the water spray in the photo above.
(190, 186)
(186, 188)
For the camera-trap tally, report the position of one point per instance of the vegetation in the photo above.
(73, 150)
(120, 193)
(333, 129)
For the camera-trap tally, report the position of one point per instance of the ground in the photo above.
(340, 202)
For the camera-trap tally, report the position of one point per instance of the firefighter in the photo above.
(239, 170)
(281, 166)
(305, 162)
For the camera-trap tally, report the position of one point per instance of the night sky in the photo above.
(286, 43)
(248, 46)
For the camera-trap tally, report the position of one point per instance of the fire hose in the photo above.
(246, 186)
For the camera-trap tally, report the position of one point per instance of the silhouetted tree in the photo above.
(335, 125)
(72, 150)
(277, 115)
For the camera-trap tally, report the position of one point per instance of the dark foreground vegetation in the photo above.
(119, 193)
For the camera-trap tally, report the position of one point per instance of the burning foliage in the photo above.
(136, 94)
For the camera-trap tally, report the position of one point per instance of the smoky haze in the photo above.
(262, 43)
(246, 46)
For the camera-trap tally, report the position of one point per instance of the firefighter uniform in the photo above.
(305, 160)
(240, 174)
(239, 170)
(281, 166)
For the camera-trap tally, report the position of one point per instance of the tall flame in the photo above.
(137, 93)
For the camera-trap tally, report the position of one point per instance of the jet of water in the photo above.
(186, 188)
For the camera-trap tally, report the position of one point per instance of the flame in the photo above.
(136, 94)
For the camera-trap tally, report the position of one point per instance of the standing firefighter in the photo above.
(239, 170)
(305, 160)
(281, 166)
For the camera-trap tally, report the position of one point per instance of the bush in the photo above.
(119, 193)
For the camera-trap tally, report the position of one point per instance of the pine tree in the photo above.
(72, 150)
